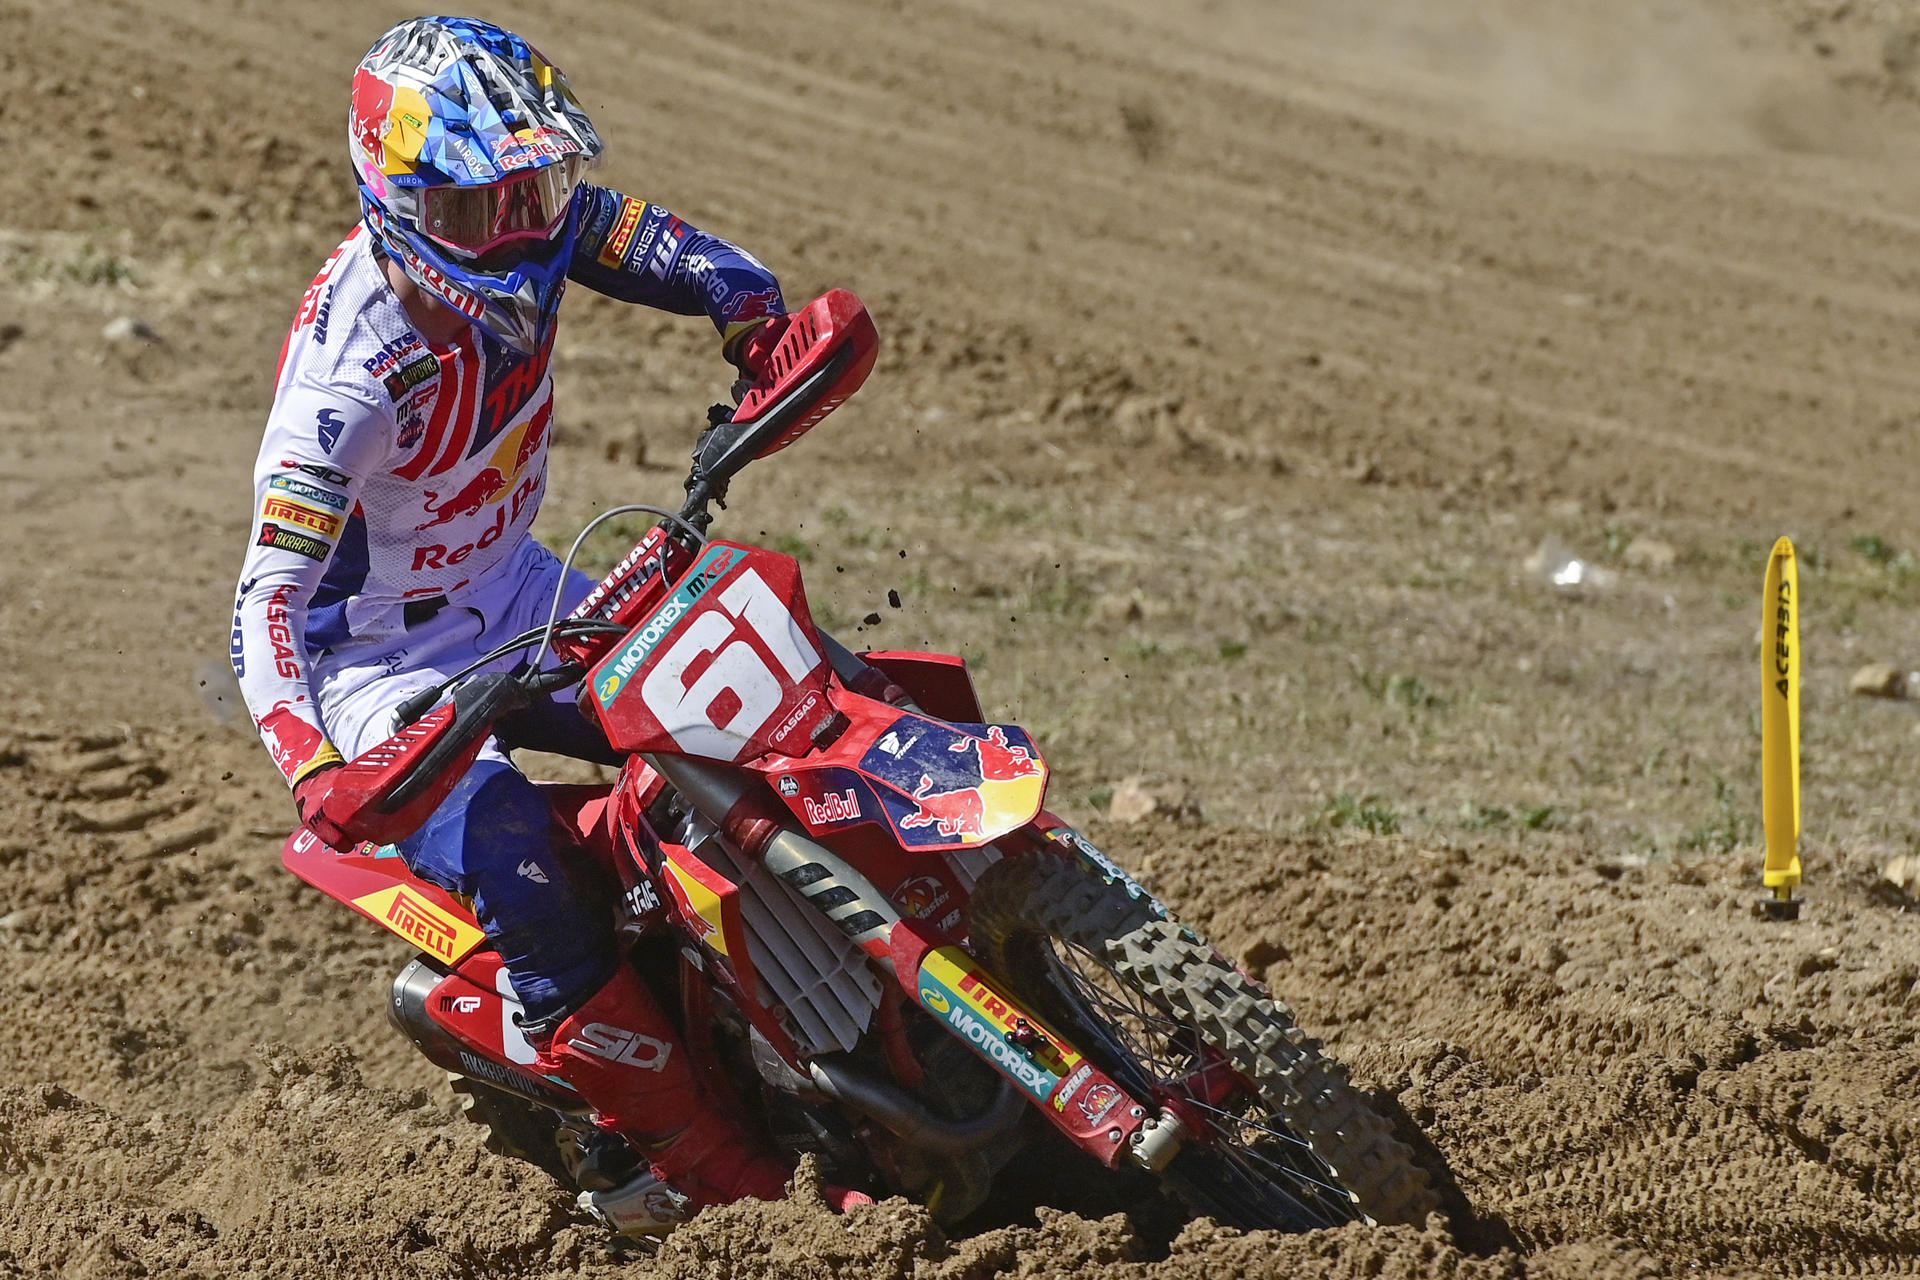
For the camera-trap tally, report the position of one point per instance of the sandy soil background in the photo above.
(1240, 355)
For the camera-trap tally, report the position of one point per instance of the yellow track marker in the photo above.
(1780, 731)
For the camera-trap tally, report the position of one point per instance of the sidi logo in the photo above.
(617, 1045)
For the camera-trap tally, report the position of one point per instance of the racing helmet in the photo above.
(468, 147)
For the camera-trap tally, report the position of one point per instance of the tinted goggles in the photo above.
(474, 220)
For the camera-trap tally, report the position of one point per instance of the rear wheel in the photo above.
(570, 1150)
(1283, 1141)
(514, 1126)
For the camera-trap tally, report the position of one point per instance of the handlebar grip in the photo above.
(477, 705)
(410, 711)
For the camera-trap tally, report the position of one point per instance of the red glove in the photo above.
(751, 350)
(310, 799)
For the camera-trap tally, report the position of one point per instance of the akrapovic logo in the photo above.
(709, 569)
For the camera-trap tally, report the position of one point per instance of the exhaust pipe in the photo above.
(900, 1113)
(407, 1010)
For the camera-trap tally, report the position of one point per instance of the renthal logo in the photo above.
(415, 920)
(1010, 1059)
(649, 547)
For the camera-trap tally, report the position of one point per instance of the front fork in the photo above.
(1093, 1111)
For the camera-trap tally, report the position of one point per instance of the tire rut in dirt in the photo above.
(1024, 901)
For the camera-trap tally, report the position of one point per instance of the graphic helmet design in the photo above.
(469, 147)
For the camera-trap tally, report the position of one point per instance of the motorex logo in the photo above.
(712, 565)
(1037, 1080)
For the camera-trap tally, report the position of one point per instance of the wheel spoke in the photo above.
(1166, 1050)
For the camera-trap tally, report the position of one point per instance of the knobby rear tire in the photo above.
(514, 1127)
(1026, 905)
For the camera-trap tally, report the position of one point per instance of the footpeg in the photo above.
(645, 1206)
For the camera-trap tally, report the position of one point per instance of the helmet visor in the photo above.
(474, 220)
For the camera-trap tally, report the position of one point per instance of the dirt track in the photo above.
(1239, 353)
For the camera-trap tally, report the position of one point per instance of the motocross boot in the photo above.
(625, 1058)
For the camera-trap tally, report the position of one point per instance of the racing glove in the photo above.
(310, 800)
(749, 348)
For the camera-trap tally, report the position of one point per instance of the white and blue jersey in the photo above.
(398, 478)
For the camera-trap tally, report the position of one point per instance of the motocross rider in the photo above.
(405, 456)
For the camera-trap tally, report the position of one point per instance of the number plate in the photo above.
(728, 666)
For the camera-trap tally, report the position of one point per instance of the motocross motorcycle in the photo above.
(882, 948)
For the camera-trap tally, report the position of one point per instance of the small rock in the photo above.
(129, 329)
(1903, 871)
(1879, 680)
(1119, 609)
(1555, 564)
(1647, 553)
(1131, 802)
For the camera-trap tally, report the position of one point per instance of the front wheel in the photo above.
(1283, 1141)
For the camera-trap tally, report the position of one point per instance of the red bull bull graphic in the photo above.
(948, 787)
(476, 494)
(961, 813)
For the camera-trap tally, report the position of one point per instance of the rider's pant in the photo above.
(543, 905)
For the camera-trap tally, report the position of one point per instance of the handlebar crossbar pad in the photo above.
(832, 335)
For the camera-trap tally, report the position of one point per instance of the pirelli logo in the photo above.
(285, 511)
(614, 252)
(433, 929)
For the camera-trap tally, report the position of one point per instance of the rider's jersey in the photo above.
(397, 472)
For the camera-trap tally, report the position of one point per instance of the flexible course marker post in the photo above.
(1780, 731)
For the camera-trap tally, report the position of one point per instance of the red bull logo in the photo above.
(479, 491)
(951, 813)
(947, 787)
(372, 101)
(291, 741)
(1011, 779)
(536, 433)
(999, 762)
(750, 305)
(841, 806)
